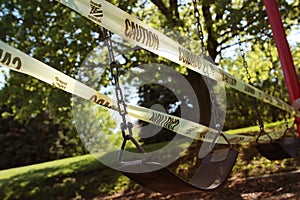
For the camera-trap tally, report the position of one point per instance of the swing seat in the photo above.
(214, 169)
(212, 172)
(279, 149)
(290, 145)
(156, 178)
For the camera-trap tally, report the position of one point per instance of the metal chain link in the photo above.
(276, 91)
(248, 76)
(273, 68)
(199, 27)
(122, 106)
(214, 104)
(245, 63)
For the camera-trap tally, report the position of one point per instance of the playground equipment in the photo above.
(281, 148)
(217, 164)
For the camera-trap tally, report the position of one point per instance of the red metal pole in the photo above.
(284, 52)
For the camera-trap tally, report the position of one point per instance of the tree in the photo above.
(53, 34)
(61, 38)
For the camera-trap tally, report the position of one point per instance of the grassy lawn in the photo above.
(84, 177)
(70, 178)
(255, 129)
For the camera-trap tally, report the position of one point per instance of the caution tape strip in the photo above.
(23, 63)
(138, 33)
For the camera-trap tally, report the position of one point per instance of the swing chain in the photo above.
(245, 64)
(122, 106)
(215, 112)
(286, 123)
(273, 67)
(248, 76)
(199, 27)
(214, 104)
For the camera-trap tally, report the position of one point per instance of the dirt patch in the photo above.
(273, 187)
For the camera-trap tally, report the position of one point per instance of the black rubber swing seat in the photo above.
(212, 172)
(279, 149)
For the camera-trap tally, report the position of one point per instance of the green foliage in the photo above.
(41, 114)
(265, 75)
(40, 29)
(38, 141)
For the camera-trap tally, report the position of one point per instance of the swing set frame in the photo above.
(285, 56)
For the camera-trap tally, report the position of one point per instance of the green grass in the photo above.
(255, 129)
(84, 177)
(63, 163)
(71, 178)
